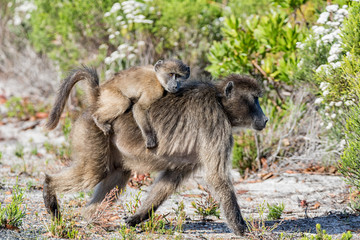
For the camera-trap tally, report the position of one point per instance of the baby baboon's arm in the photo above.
(140, 113)
(111, 104)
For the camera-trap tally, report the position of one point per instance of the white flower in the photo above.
(329, 126)
(331, 104)
(116, 7)
(328, 38)
(141, 43)
(338, 104)
(319, 100)
(335, 65)
(112, 36)
(335, 49)
(340, 111)
(319, 30)
(122, 46)
(117, 33)
(323, 17)
(119, 18)
(349, 103)
(332, 24)
(300, 45)
(17, 20)
(324, 85)
(332, 58)
(332, 8)
(345, 6)
(333, 115)
(326, 92)
(108, 60)
(131, 56)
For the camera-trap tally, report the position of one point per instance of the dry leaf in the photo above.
(241, 191)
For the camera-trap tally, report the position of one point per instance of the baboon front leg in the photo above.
(164, 186)
(222, 185)
(141, 118)
(110, 105)
(118, 178)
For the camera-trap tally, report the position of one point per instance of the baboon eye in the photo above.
(171, 74)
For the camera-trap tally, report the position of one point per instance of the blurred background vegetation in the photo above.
(305, 53)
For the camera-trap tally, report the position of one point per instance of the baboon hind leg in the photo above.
(72, 179)
(118, 178)
(166, 184)
(110, 105)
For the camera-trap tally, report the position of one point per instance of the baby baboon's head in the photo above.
(240, 98)
(171, 73)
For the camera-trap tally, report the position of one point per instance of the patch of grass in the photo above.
(19, 151)
(258, 229)
(12, 214)
(133, 205)
(206, 206)
(64, 228)
(62, 152)
(22, 108)
(128, 233)
(156, 224)
(180, 217)
(275, 211)
(322, 235)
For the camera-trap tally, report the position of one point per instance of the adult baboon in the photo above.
(194, 130)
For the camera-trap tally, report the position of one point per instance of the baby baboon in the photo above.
(143, 86)
(194, 129)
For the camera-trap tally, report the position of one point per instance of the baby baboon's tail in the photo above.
(84, 73)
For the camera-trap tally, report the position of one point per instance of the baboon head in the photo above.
(240, 98)
(171, 73)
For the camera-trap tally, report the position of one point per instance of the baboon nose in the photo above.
(266, 120)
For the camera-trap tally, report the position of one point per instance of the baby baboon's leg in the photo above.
(220, 181)
(110, 106)
(118, 178)
(141, 118)
(164, 186)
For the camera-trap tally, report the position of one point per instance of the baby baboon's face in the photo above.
(171, 73)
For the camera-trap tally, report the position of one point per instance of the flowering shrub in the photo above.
(118, 34)
(322, 48)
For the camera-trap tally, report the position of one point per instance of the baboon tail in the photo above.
(84, 73)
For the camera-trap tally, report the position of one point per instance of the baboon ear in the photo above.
(158, 64)
(228, 89)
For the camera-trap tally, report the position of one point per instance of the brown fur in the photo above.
(194, 129)
(142, 85)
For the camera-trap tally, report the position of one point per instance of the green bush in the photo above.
(127, 32)
(275, 211)
(264, 44)
(349, 165)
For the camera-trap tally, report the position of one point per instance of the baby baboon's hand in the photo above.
(151, 141)
(105, 127)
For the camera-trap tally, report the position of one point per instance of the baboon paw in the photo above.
(132, 221)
